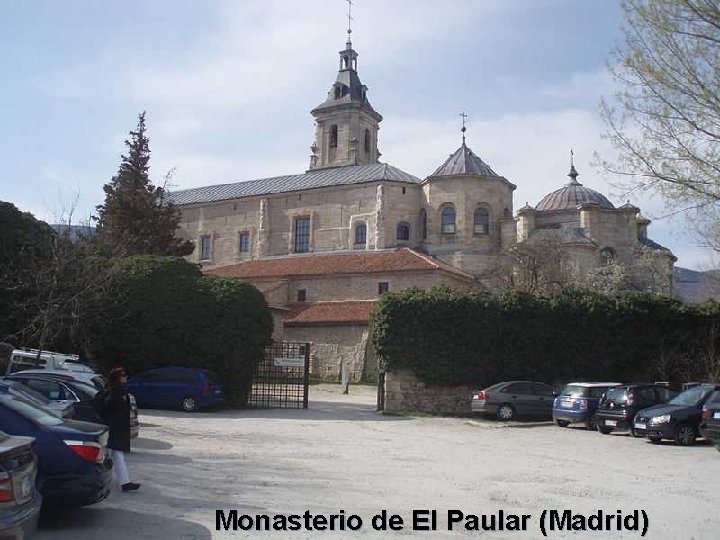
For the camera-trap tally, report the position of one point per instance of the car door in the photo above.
(543, 401)
(520, 395)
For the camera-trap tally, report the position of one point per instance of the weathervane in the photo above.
(463, 129)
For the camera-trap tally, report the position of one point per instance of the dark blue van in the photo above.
(189, 389)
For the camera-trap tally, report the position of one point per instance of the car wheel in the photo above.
(685, 435)
(189, 404)
(604, 430)
(505, 412)
(654, 440)
(562, 423)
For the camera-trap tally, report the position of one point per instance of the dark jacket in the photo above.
(117, 418)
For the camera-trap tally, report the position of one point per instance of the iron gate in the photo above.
(281, 379)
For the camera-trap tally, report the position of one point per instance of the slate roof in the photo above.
(566, 235)
(345, 312)
(336, 176)
(653, 245)
(322, 264)
(464, 161)
(570, 197)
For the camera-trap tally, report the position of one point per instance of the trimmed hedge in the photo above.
(159, 311)
(450, 337)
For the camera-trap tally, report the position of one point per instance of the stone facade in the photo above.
(452, 228)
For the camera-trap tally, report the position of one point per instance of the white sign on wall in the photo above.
(289, 361)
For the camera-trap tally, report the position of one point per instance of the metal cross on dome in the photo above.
(463, 129)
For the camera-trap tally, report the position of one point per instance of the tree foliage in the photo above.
(159, 311)
(450, 337)
(666, 120)
(136, 218)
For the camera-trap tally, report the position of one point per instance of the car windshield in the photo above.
(573, 390)
(33, 412)
(691, 397)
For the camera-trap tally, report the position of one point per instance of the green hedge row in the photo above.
(450, 337)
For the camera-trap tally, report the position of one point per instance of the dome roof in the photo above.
(464, 161)
(572, 195)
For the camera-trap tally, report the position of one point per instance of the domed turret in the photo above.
(571, 196)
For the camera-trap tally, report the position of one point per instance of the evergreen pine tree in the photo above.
(136, 218)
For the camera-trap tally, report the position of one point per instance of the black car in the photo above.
(73, 467)
(678, 419)
(710, 425)
(19, 499)
(618, 407)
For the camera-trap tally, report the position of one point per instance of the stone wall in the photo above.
(330, 346)
(405, 393)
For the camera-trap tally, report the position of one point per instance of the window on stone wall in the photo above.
(607, 256)
(423, 224)
(447, 219)
(481, 221)
(205, 247)
(301, 295)
(244, 242)
(333, 136)
(403, 231)
(301, 242)
(383, 287)
(367, 141)
(360, 233)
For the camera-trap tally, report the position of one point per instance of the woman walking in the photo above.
(117, 417)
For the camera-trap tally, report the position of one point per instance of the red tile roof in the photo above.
(349, 312)
(319, 264)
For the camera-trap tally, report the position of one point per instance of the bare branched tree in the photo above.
(665, 120)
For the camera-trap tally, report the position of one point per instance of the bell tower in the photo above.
(346, 125)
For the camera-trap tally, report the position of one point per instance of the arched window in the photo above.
(607, 255)
(481, 221)
(360, 233)
(423, 224)
(367, 141)
(333, 136)
(447, 220)
(338, 92)
(403, 231)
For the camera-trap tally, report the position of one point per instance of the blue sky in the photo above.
(228, 87)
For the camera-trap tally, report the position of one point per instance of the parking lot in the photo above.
(339, 455)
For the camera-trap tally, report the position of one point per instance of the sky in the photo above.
(228, 86)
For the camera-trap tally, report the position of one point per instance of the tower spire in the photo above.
(573, 174)
(349, 29)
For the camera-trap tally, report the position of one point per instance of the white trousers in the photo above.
(120, 469)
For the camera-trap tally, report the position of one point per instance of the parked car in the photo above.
(190, 389)
(678, 419)
(618, 407)
(24, 358)
(94, 379)
(73, 467)
(512, 399)
(20, 501)
(710, 425)
(63, 408)
(63, 389)
(578, 401)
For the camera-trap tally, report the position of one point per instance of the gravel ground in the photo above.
(339, 455)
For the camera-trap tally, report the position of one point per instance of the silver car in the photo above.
(513, 399)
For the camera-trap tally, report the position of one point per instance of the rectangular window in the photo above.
(383, 287)
(205, 247)
(302, 235)
(244, 242)
(301, 295)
